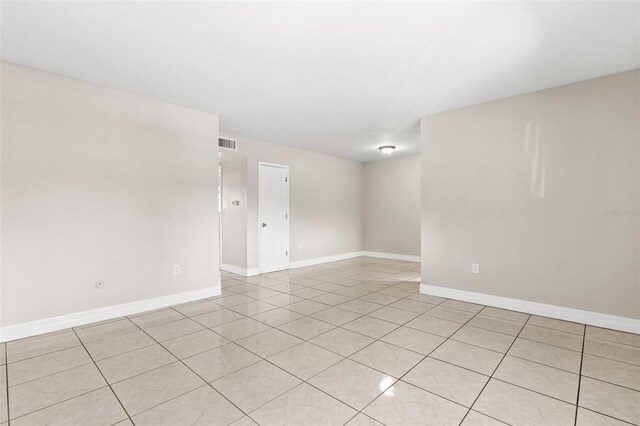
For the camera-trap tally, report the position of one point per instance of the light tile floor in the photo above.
(349, 342)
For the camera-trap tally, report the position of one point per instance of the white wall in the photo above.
(392, 205)
(234, 217)
(325, 196)
(523, 185)
(98, 184)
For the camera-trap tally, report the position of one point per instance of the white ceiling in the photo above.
(335, 77)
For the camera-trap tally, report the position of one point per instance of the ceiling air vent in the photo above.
(227, 143)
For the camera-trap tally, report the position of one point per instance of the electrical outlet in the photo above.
(475, 268)
(176, 269)
(99, 284)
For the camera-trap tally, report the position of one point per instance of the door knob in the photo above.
(264, 224)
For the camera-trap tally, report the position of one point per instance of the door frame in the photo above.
(259, 222)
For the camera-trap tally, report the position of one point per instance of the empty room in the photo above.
(319, 213)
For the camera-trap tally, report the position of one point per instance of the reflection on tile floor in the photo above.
(349, 342)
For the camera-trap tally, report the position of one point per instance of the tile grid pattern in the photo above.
(236, 320)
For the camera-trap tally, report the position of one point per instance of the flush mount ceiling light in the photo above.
(387, 149)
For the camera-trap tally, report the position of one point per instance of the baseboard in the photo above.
(62, 322)
(597, 319)
(392, 256)
(319, 260)
(240, 271)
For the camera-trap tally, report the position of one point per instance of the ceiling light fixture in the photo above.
(387, 149)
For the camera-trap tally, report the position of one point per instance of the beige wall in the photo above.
(234, 217)
(98, 184)
(522, 186)
(325, 196)
(392, 205)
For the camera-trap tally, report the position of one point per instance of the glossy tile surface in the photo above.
(346, 343)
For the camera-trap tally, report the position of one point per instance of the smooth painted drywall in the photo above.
(98, 184)
(325, 200)
(392, 205)
(542, 190)
(234, 217)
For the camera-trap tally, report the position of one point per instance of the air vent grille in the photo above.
(227, 143)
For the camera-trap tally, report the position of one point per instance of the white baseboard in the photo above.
(319, 260)
(62, 322)
(597, 319)
(392, 256)
(240, 271)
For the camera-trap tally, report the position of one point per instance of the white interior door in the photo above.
(273, 216)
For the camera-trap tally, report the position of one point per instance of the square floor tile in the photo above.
(552, 337)
(255, 385)
(283, 300)
(363, 420)
(407, 405)
(477, 419)
(142, 392)
(154, 318)
(216, 363)
(414, 340)
(194, 343)
(608, 370)
(40, 345)
(98, 407)
(252, 308)
(103, 330)
(304, 405)
(196, 308)
(115, 345)
(305, 360)
(591, 418)
(462, 306)
(389, 359)
(449, 381)
(341, 341)
(612, 350)
(331, 299)
(550, 381)
(352, 383)
(240, 329)
(484, 338)
(371, 327)
(505, 314)
(173, 329)
(36, 394)
(412, 306)
(496, 324)
(552, 356)
(515, 405)
(434, 325)
(556, 324)
(203, 406)
(394, 315)
(44, 365)
(360, 306)
(336, 316)
(216, 318)
(381, 299)
(613, 336)
(269, 342)
(307, 307)
(449, 314)
(471, 357)
(306, 328)
(277, 317)
(612, 400)
(132, 363)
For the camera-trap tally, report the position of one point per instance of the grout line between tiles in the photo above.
(584, 334)
(104, 378)
(496, 369)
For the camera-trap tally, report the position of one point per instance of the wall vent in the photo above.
(227, 143)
